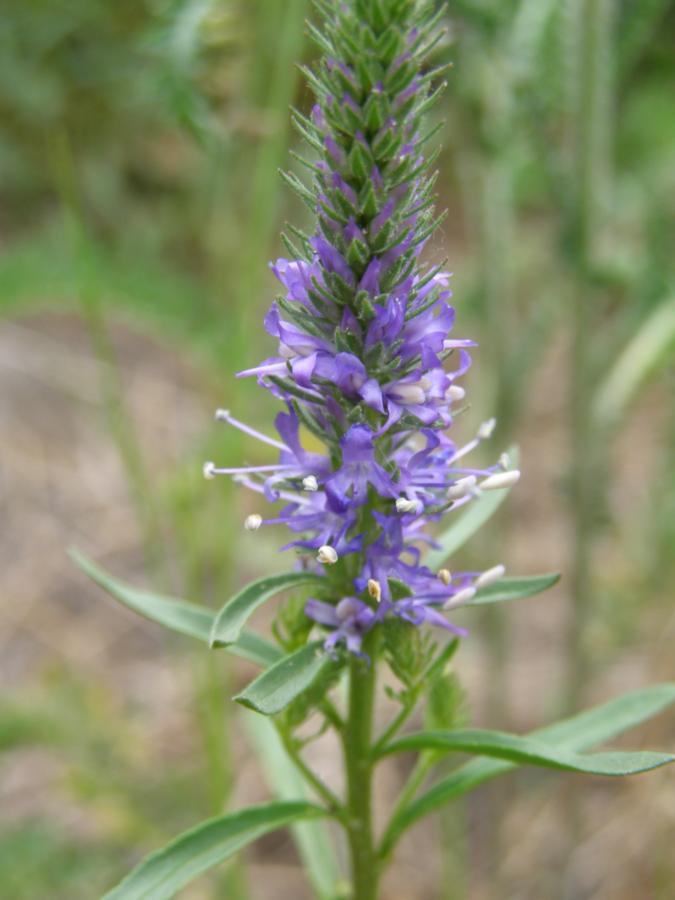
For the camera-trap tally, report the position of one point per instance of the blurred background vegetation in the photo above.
(139, 149)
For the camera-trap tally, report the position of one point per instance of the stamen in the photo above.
(375, 589)
(504, 461)
(223, 415)
(500, 480)
(445, 575)
(455, 393)
(409, 393)
(327, 555)
(490, 576)
(486, 430)
(309, 483)
(209, 470)
(253, 522)
(239, 470)
(461, 487)
(403, 505)
(463, 596)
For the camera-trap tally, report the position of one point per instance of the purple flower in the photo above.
(350, 619)
(348, 486)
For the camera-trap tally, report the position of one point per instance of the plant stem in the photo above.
(310, 777)
(415, 781)
(592, 109)
(359, 769)
(396, 723)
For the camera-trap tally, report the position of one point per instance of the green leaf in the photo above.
(315, 844)
(513, 589)
(468, 522)
(163, 873)
(279, 685)
(177, 615)
(230, 620)
(528, 751)
(581, 732)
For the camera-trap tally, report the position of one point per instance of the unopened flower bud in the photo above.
(490, 576)
(500, 480)
(445, 575)
(461, 487)
(209, 470)
(327, 555)
(463, 596)
(374, 589)
(309, 483)
(252, 522)
(403, 505)
(486, 429)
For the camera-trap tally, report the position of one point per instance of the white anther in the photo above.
(409, 393)
(486, 429)
(209, 470)
(309, 483)
(500, 480)
(222, 415)
(252, 522)
(461, 487)
(455, 393)
(490, 576)
(327, 555)
(445, 575)
(504, 461)
(463, 596)
(374, 589)
(403, 505)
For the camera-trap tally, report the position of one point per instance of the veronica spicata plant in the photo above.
(363, 467)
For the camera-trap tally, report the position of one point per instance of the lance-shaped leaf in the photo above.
(525, 750)
(235, 613)
(177, 615)
(160, 875)
(580, 732)
(512, 589)
(279, 685)
(468, 521)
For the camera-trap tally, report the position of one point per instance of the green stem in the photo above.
(323, 791)
(395, 725)
(359, 771)
(417, 777)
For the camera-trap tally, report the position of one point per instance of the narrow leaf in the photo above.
(232, 617)
(528, 751)
(513, 589)
(279, 685)
(177, 615)
(467, 523)
(647, 350)
(581, 732)
(315, 844)
(160, 875)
